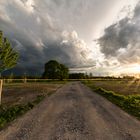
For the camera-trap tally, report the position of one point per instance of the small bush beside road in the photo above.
(8, 114)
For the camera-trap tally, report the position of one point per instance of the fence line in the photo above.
(25, 80)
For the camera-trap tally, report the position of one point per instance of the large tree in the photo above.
(8, 57)
(55, 70)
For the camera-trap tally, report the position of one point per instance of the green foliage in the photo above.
(11, 113)
(8, 56)
(130, 104)
(55, 70)
(78, 76)
(39, 99)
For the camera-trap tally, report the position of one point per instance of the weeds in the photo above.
(130, 103)
(11, 113)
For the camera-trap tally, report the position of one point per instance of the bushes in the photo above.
(9, 114)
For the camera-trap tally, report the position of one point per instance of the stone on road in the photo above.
(74, 112)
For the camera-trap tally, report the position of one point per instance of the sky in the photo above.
(93, 36)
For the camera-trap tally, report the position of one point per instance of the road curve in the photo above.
(74, 112)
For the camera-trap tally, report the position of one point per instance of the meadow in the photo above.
(124, 93)
(19, 93)
(119, 86)
(19, 97)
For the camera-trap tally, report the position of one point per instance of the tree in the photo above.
(77, 76)
(64, 72)
(55, 70)
(8, 57)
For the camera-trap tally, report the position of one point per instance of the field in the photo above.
(18, 98)
(123, 93)
(19, 93)
(124, 87)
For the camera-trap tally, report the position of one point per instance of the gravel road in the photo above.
(74, 112)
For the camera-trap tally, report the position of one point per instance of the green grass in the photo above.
(8, 114)
(129, 103)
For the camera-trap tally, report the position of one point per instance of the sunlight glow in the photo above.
(134, 69)
(130, 70)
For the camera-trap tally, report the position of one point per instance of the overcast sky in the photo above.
(99, 36)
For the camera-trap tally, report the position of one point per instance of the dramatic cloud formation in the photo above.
(121, 40)
(64, 30)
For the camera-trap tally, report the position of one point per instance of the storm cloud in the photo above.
(64, 30)
(122, 39)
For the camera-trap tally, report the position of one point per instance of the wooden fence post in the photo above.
(1, 84)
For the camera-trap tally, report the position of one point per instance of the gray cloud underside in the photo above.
(122, 39)
(55, 29)
(37, 32)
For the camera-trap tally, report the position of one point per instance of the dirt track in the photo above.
(74, 113)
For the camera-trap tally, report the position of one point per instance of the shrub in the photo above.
(9, 114)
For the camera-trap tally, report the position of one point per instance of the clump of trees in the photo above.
(78, 76)
(8, 57)
(55, 70)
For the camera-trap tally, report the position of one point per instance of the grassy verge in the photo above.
(8, 114)
(130, 103)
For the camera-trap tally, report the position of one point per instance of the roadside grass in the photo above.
(8, 114)
(129, 103)
(18, 98)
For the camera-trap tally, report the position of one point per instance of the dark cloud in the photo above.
(36, 29)
(55, 29)
(118, 36)
(121, 40)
